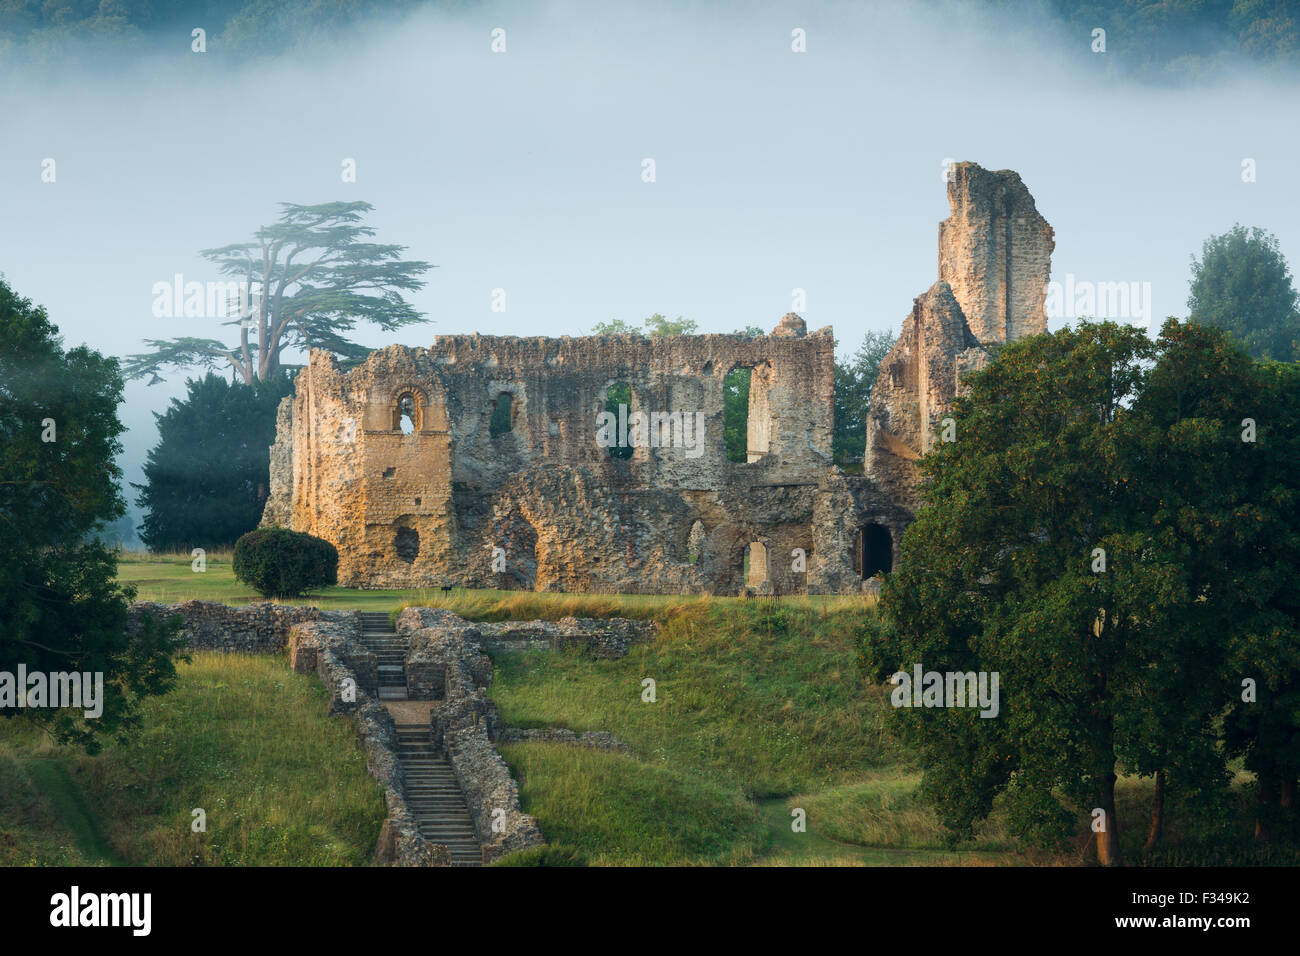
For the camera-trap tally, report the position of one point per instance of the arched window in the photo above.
(406, 413)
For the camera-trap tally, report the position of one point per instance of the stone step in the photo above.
(392, 693)
(434, 796)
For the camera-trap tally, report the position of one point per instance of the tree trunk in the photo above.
(1267, 796)
(1108, 839)
(1157, 813)
(1288, 793)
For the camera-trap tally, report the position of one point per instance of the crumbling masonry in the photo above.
(482, 461)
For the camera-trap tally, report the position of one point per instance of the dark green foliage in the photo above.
(502, 415)
(735, 414)
(207, 479)
(854, 380)
(620, 393)
(1242, 284)
(656, 324)
(277, 562)
(1070, 442)
(1176, 40)
(61, 607)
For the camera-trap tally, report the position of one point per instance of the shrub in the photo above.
(544, 856)
(277, 562)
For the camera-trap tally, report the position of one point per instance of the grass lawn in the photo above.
(242, 737)
(760, 711)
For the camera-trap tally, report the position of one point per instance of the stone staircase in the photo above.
(433, 794)
(432, 790)
(379, 635)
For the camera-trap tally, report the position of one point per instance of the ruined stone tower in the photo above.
(995, 253)
(484, 461)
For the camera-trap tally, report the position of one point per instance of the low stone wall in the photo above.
(257, 628)
(466, 726)
(591, 739)
(607, 638)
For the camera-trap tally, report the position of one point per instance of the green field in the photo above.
(760, 715)
(759, 710)
(241, 737)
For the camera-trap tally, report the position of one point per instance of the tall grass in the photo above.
(242, 738)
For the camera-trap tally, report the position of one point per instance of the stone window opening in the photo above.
(746, 414)
(406, 414)
(502, 416)
(874, 554)
(755, 564)
(735, 414)
(620, 442)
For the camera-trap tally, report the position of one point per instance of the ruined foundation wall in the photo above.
(429, 507)
(995, 252)
(994, 264)
(396, 461)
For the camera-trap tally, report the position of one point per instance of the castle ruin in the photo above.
(490, 461)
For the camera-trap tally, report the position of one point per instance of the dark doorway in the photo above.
(875, 551)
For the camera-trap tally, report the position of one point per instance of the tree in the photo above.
(654, 325)
(208, 477)
(1089, 537)
(1242, 283)
(853, 383)
(1263, 726)
(307, 278)
(62, 607)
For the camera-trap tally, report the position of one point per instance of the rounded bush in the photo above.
(277, 562)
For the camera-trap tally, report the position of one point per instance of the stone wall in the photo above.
(995, 252)
(208, 626)
(994, 264)
(606, 638)
(428, 506)
(395, 462)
